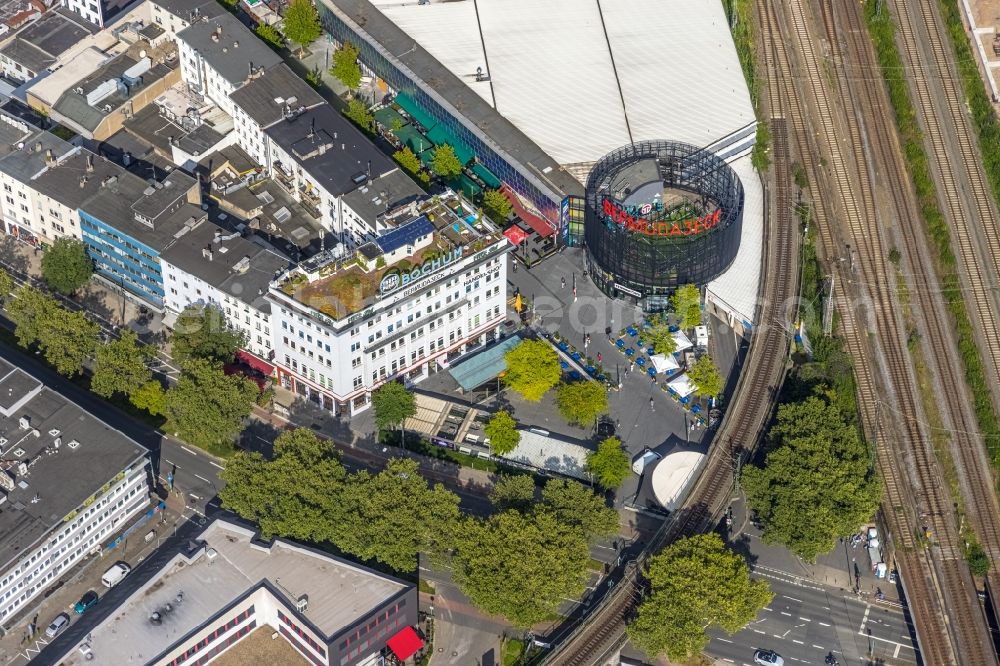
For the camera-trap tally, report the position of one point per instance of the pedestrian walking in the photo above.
(651, 407)
(562, 283)
(599, 357)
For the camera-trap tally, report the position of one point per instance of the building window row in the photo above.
(301, 648)
(214, 635)
(301, 634)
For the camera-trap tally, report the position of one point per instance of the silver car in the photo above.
(58, 625)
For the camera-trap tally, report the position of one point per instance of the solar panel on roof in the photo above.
(405, 235)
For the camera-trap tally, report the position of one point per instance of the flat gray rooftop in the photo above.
(234, 50)
(258, 98)
(60, 478)
(39, 44)
(340, 593)
(237, 266)
(71, 181)
(385, 193)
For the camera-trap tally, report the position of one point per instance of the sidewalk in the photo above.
(86, 575)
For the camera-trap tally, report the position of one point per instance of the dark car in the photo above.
(86, 601)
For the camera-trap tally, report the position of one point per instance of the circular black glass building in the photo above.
(660, 214)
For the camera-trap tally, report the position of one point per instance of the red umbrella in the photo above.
(515, 235)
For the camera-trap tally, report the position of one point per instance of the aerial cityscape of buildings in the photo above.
(571, 296)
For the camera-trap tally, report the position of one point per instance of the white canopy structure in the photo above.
(683, 342)
(673, 474)
(682, 386)
(664, 362)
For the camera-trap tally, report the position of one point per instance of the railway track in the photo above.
(968, 204)
(603, 632)
(948, 621)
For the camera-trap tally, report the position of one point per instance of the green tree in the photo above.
(696, 583)
(359, 113)
(521, 566)
(410, 163)
(31, 312)
(686, 301)
(297, 494)
(393, 404)
(151, 397)
(302, 23)
(706, 377)
(532, 369)
(66, 266)
(502, 432)
(121, 366)
(68, 340)
(609, 464)
(817, 481)
(660, 337)
(206, 407)
(497, 206)
(202, 332)
(577, 505)
(6, 286)
(445, 163)
(582, 402)
(345, 66)
(395, 515)
(270, 35)
(314, 78)
(513, 491)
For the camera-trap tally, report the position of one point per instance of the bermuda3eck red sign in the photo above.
(629, 222)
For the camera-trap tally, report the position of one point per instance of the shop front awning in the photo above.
(258, 364)
(468, 187)
(411, 137)
(388, 117)
(405, 644)
(441, 135)
(540, 225)
(406, 103)
(486, 176)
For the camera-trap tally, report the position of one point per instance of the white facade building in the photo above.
(24, 215)
(218, 55)
(68, 483)
(210, 266)
(437, 288)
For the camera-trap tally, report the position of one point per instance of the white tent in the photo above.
(682, 340)
(664, 362)
(682, 386)
(673, 474)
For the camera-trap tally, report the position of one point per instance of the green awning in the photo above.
(440, 136)
(407, 104)
(469, 187)
(486, 176)
(427, 158)
(411, 137)
(388, 116)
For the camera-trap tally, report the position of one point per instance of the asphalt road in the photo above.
(805, 622)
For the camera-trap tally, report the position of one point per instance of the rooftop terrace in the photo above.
(339, 287)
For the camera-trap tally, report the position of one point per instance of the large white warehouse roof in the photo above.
(582, 78)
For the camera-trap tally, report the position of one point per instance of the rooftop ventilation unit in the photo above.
(54, 432)
(24, 422)
(302, 603)
(73, 444)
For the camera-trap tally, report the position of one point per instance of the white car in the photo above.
(768, 658)
(57, 626)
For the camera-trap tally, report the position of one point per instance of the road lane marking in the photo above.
(792, 598)
(784, 613)
(724, 640)
(819, 647)
(805, 619)
(215, 464)
(797, 641)
(823, 624)
(188, 450)
(203, 478)
(758, 631)
(769, 610)
(170, 462)
(194, 496)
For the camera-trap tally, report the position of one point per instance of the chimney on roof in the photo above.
(312, 128)
(369, 169)
(207, 252)
(90, 163)
(38, 146)
(83, 182)
(216, 33)
(236, 44)
(50, 157)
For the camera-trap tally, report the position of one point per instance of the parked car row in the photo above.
(111, 577)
